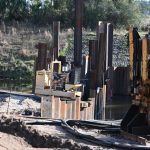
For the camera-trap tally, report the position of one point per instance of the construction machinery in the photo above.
(137, 119)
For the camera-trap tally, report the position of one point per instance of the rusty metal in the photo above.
(56, 32)
(144, 59)
(93, 51)
(41, 62)
(76, 73)
(121, 81)
(145, 90)
(101, 61)
(63, 110)
(84, 77)
(78, 33)
(34, 76)
(131, 51)
(109, 83)
(55, 107)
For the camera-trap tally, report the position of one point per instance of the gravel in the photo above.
(17, 105)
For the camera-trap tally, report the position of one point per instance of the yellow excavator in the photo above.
(137, 119)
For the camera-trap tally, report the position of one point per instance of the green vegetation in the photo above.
(43, 12)
(67, 46)
(29, 22)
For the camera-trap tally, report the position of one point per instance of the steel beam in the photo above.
(56, 32)
(101, 56)
(93, 51)
(109, 45)
(85, 77)
(78, 33)
(41, 62)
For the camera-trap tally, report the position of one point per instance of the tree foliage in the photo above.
(14, 9)
(43, 12)
(119, 12)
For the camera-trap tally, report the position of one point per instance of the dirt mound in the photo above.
(37, 137)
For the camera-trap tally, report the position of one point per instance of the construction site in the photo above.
(74, 100)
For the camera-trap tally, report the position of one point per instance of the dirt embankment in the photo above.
(36, 136)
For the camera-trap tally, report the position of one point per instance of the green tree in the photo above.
(120, 13)
(14, 9)
(44, 12)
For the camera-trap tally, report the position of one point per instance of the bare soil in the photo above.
(37, 136)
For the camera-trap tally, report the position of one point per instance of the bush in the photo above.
(119, 12)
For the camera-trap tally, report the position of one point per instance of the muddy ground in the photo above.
(21, 132)
(17, 133)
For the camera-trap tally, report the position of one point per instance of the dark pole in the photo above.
(40, 61)
(76, 70)
(42, 56)
(101, 55)
(56, 32)
(93, 53)
(78, 33)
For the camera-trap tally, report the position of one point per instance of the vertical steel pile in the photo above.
(100, 70)
(101, 61)
(84, 77)
(109, 45)
(104, 62)
(40, 61)
(78, 40)
(109, 67)
(93, 51)
(121, 81)
(56, 32)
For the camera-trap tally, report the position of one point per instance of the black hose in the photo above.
(103, 142)
(89, 138)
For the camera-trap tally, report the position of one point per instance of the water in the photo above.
(117, 107)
